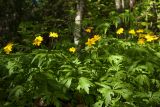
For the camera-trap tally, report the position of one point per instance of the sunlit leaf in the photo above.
(84, 83)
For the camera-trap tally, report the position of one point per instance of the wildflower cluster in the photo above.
(142, 37)
(147, 37)
(91, 41)
(38, 40)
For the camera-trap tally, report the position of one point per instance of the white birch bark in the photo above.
(78, 21)
(123, 4)
(118, 4)
(131, 3)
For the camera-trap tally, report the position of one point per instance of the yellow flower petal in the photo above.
(96, 37)
(72, 49)
(88, 30)
(120, 31)
(38, 40)
(140, 31)
(150, 37)
(141, 41)
(8, 48)
(132, 31)
(90, 42)
(53, 35)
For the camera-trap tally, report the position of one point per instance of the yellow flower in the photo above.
(132, 31)
(150, 38)
(38, 40)
(155, 37)
(53, 35)
(8, 48)
(96, 37)
(88, 30)
(120, 31)
(141, 41)
(140, 31)
(72, 49)
(90, 42)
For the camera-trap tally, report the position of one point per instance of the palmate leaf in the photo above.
(13, 66)
(141, 95)
(103, 84)
(125, 93)
(103, 27)
(140, 69)
(124, 89)
(84, 83)
(155, 97)
(133, 67)
(120, 75)
(66, 81)
(76, 61)
(107, 94)
(17, 91)
(114, 68)
(142, 80)
(155, 82)
(66, 68)
(150, 67)
(148, 97)
(115, 59)
(39, 56)
(98, 103)
(157, 54)
(10, 66)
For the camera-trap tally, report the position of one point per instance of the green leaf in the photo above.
(106, 93)
(39, 57)
(98, 104)
(157, 54)
(142, 80)
(67, 82)
(17, 91)
(82, 70)
(10, 66)
(144, 23)
(155, 82)
(84, 83)
(141, 95)
(77, 61)
(125, 93)
(115, 59)
(155, 97)
(103, 27)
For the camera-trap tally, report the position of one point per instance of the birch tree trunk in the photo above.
(78, 21)
(131, 4)
(118, 5)
(123, 5)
